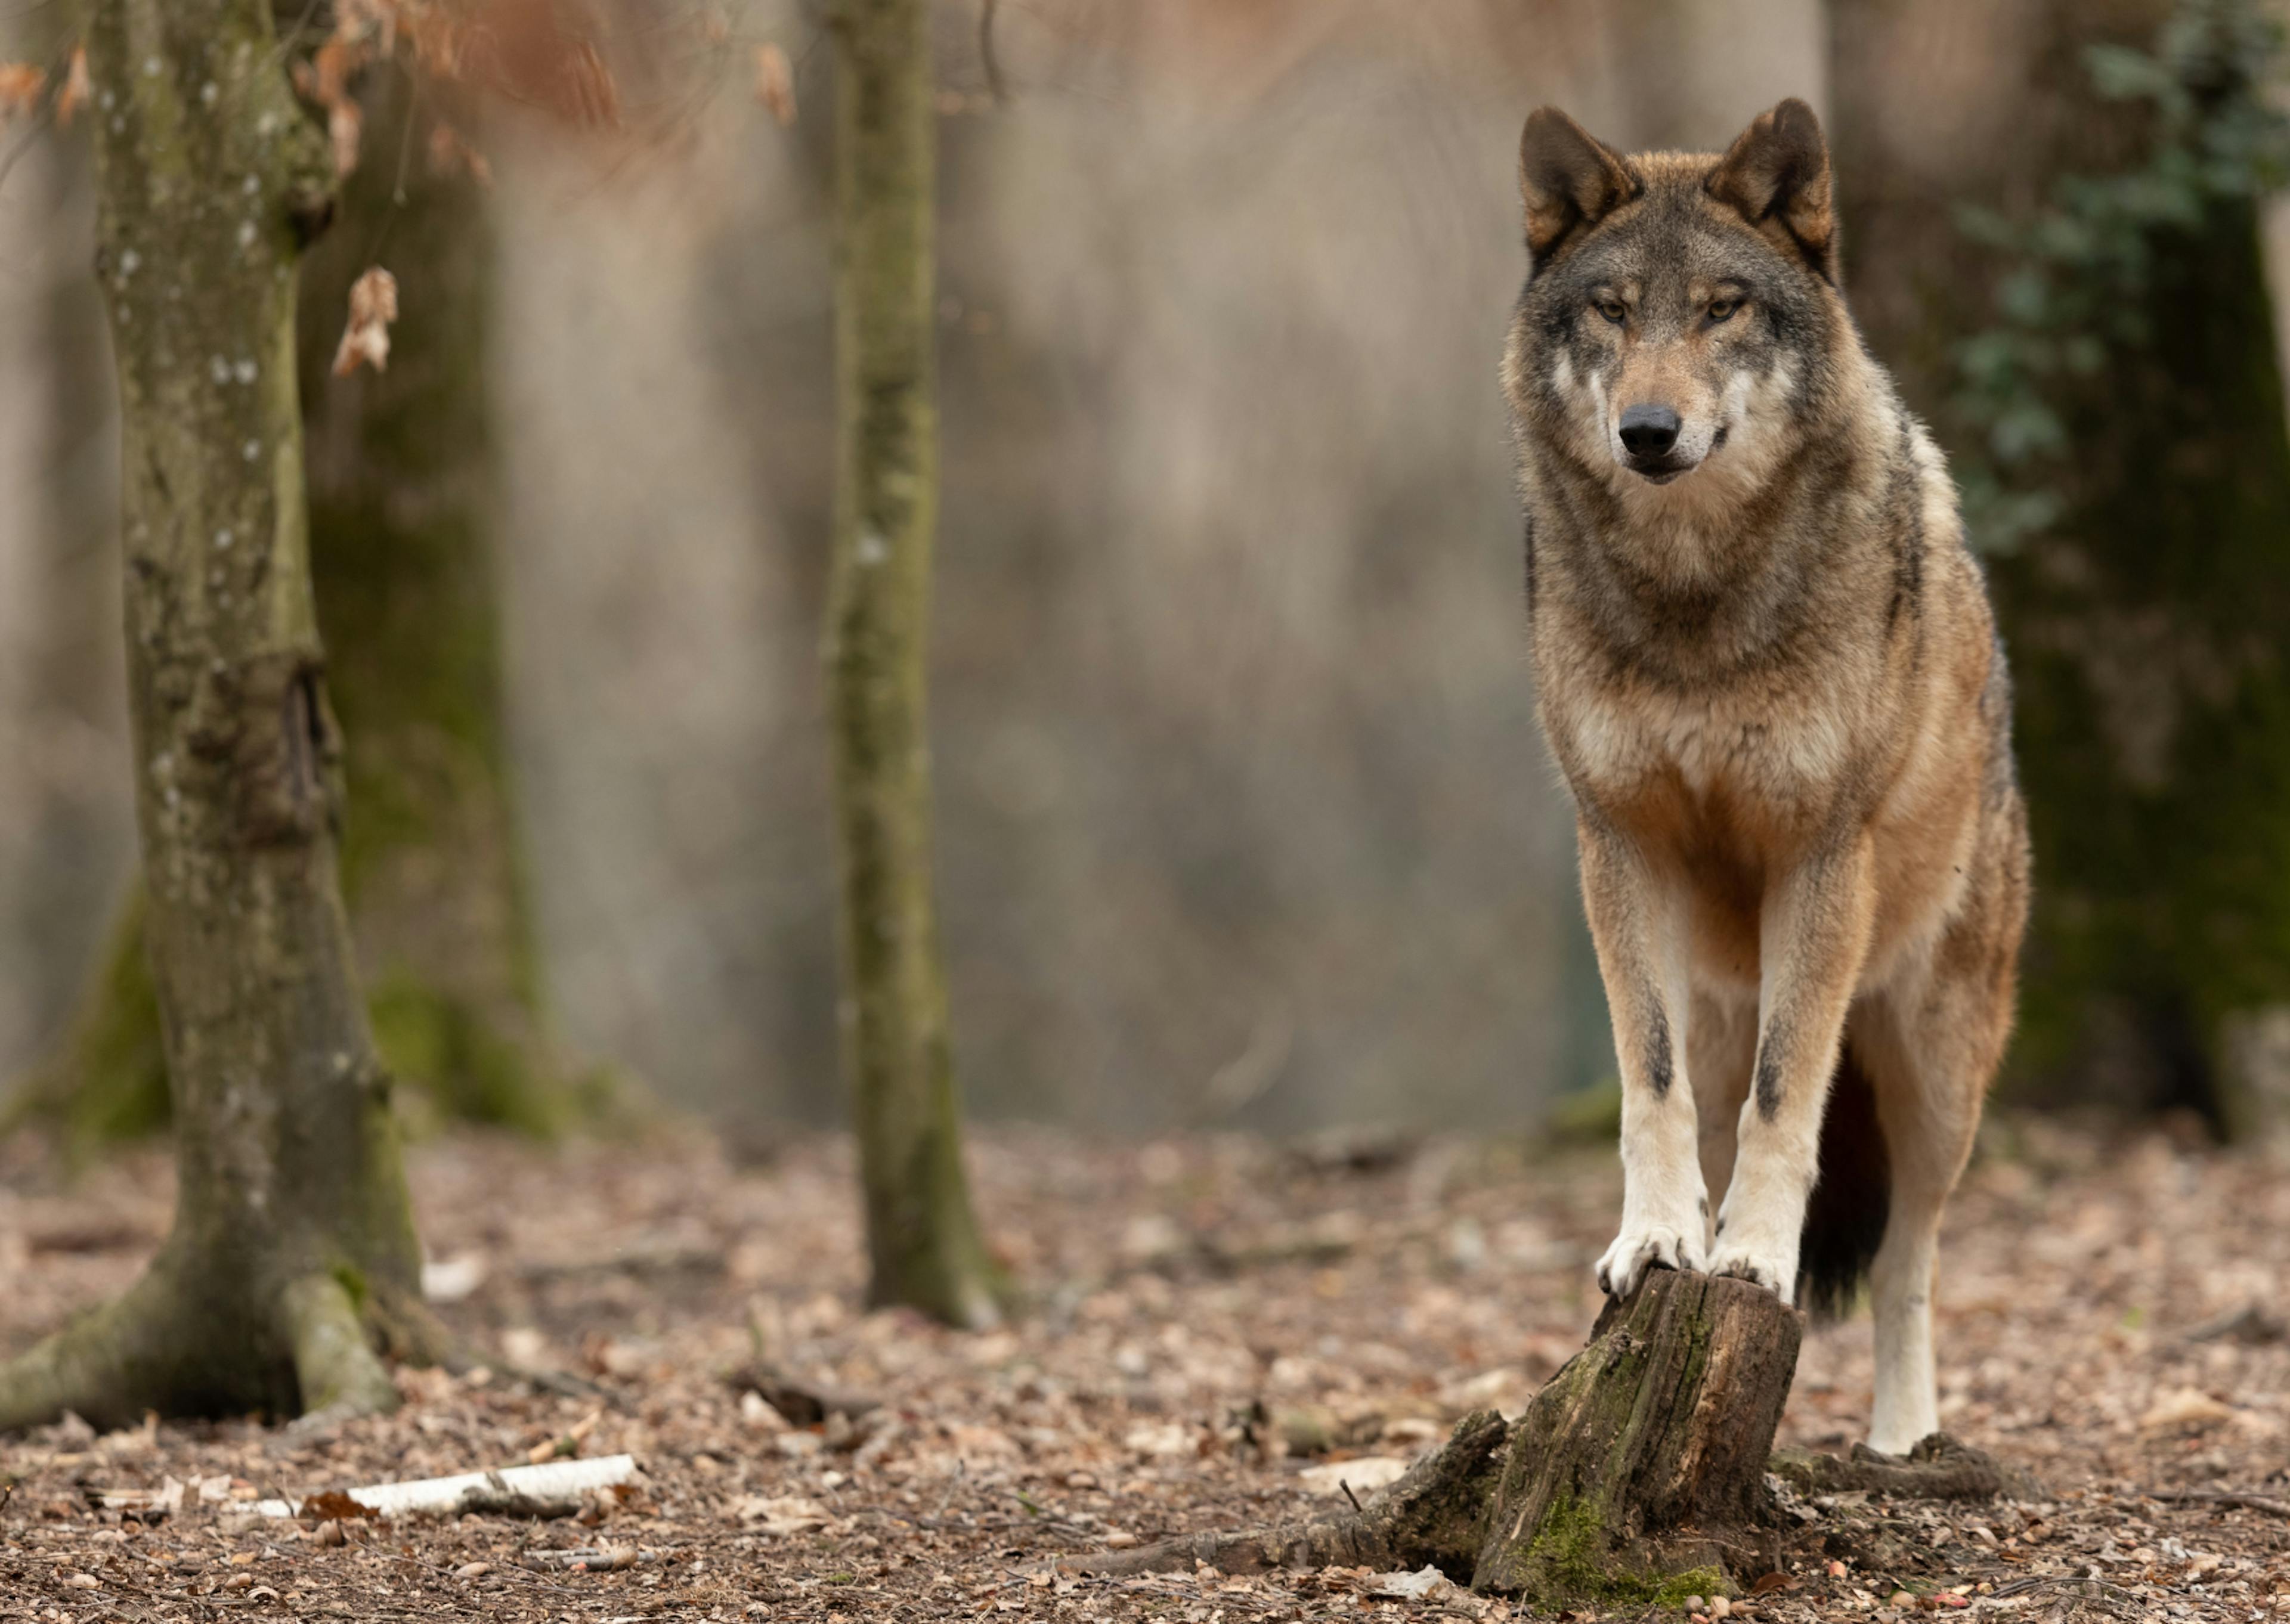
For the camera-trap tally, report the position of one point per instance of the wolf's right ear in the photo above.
(1569, 179)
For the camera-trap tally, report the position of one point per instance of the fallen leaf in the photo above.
(778, 1515)
(1362, 1477)
(1421, 1584)
(373, 306)
(2184, 1407)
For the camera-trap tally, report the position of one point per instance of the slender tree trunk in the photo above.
(923, 1237)
(402, 522)
(294, 1242)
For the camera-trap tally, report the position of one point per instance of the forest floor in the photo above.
(1224, 1329)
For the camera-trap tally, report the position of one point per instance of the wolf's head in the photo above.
(1681, 323)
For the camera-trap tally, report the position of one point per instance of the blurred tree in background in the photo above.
(404, 497)
(922, 1234)
(293, 1251)
(2081, 303)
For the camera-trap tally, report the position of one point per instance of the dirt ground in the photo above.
(1222, 1329)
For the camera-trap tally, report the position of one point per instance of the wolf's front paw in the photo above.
(1643, 1247)
(1742, 1262)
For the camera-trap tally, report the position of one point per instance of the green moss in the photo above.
(1572, 1560)
(469, 1067)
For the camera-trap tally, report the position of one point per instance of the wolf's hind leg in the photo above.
(1931, 1043)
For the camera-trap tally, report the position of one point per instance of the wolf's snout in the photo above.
(1649, 431)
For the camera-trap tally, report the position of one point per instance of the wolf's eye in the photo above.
(1612, 309)
(1721, 310)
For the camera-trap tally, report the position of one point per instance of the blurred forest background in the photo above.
(1242, 816)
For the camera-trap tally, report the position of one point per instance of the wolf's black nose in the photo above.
(1649, 431)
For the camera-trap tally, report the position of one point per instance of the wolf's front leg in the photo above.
(1638, 925)
(1812, 941)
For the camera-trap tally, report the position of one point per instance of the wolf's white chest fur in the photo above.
(1738, 743)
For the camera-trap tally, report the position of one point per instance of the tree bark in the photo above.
(293, 1250)
(923, 1237)
(1636, 1478)
(402, 504)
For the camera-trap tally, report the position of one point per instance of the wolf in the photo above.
(1769, 673)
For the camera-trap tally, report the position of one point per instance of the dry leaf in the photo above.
(2186, 1407)
(775, 82)
(373, 306)
(1362, 1477)
(77, 89)
(20, 84)
(596, 100)
(450, 155)
(782, 1514)
(1423, 1585)
(343, 124)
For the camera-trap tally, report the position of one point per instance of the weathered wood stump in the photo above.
(1636, 1475)
(1644, 1457)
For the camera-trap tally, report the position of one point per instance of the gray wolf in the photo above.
(1768, 670)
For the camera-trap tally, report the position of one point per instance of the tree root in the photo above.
(1430, 1515)
(315, 1351)
(107, 1366)
(335, 1366)
(1939, 1468)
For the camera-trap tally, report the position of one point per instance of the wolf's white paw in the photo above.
(1643, 1247)
(1776, 1274)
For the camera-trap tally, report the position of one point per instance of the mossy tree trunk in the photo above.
(923, 1237)
(404, 505)
(2153, 713)
(403, 499)
(293, 1247)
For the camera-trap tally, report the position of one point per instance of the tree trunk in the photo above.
(923, 1237)
(403, 506)
(294, 1242)
(1636, 1477)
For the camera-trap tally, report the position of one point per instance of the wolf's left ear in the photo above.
(1776, 174)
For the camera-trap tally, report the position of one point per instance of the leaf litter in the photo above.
(1223, 1331)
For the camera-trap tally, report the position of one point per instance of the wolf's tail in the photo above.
(1845, 1220)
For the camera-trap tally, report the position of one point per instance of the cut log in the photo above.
(1638, 1476)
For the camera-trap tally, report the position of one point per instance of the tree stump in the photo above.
(1644, 1457)
(1637, 1475)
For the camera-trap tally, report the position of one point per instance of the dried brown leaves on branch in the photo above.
(20, 86)
(775, 83)
(517, 49)
(373, 306)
